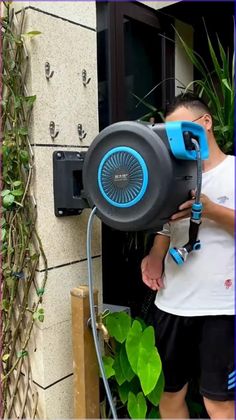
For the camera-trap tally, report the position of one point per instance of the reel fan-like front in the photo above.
(123, 177)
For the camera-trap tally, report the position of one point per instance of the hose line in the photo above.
(199, 170)
(93, 315)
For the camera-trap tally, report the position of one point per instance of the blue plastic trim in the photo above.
(196, 215)
(175, 132)
(145, 176)
(196, 246)
(196, 212)
(197, 206)
(233, 373)
(176, 256)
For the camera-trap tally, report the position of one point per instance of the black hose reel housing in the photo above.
(133, 178)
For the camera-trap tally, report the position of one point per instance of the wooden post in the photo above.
(85, 365)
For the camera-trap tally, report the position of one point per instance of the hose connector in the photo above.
(196, 212)
(180, 255)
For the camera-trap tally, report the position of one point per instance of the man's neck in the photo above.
(216, 156)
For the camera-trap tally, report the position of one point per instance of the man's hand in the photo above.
(152, 268)
(185, 208)
(223, 216)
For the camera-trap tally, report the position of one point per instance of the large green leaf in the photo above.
(126, 387)
(143, 356)
(108, 366)
(155, 396)
(125, 365)
(132, 344)
(149, 368)
(123, 391)
(137, 406)
(118, 325)
(118, 371)
(149, 363)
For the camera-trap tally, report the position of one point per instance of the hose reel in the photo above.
(137, 174)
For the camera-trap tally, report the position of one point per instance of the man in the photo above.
(194, 319)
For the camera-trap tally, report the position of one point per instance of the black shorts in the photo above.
(203, 346)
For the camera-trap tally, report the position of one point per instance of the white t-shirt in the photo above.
(204, 284)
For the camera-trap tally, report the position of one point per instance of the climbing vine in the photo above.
(21, 248)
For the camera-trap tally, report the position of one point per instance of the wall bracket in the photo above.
(69, 196)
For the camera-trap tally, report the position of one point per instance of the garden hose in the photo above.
(93, 315)
(180, 254)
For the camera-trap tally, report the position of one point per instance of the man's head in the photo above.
(188, 107)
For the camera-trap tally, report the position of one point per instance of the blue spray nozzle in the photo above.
(174, 253)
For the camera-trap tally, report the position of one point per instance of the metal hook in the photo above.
(81, 132)
(53, 131)
(84, 78)
(48, 72)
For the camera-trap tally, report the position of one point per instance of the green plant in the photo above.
(133, 366)
(21, 248)
(217, 87)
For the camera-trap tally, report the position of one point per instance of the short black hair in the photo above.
(187, 100)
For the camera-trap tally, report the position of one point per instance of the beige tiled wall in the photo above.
(81, 12)
(56, 402)
(57, 300)
(64, 238)
(51, 344)
(68, 42)
(69, 48)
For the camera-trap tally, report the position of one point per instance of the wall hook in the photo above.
(84, 78)
(48, 72)
(81, 132)
(53, 130)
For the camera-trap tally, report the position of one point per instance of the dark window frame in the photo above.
(117, 11)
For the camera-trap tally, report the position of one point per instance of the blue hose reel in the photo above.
(137, 174)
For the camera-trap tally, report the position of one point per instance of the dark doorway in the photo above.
(134, 54)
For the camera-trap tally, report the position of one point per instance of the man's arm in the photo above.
(212, 211)
(152, 264)
(160, 246)
(221, 215)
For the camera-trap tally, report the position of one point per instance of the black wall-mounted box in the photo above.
(69, 198)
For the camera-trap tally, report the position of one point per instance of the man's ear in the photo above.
(207, 122)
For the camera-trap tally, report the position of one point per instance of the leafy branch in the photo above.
(21, 250)
(217, 87)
